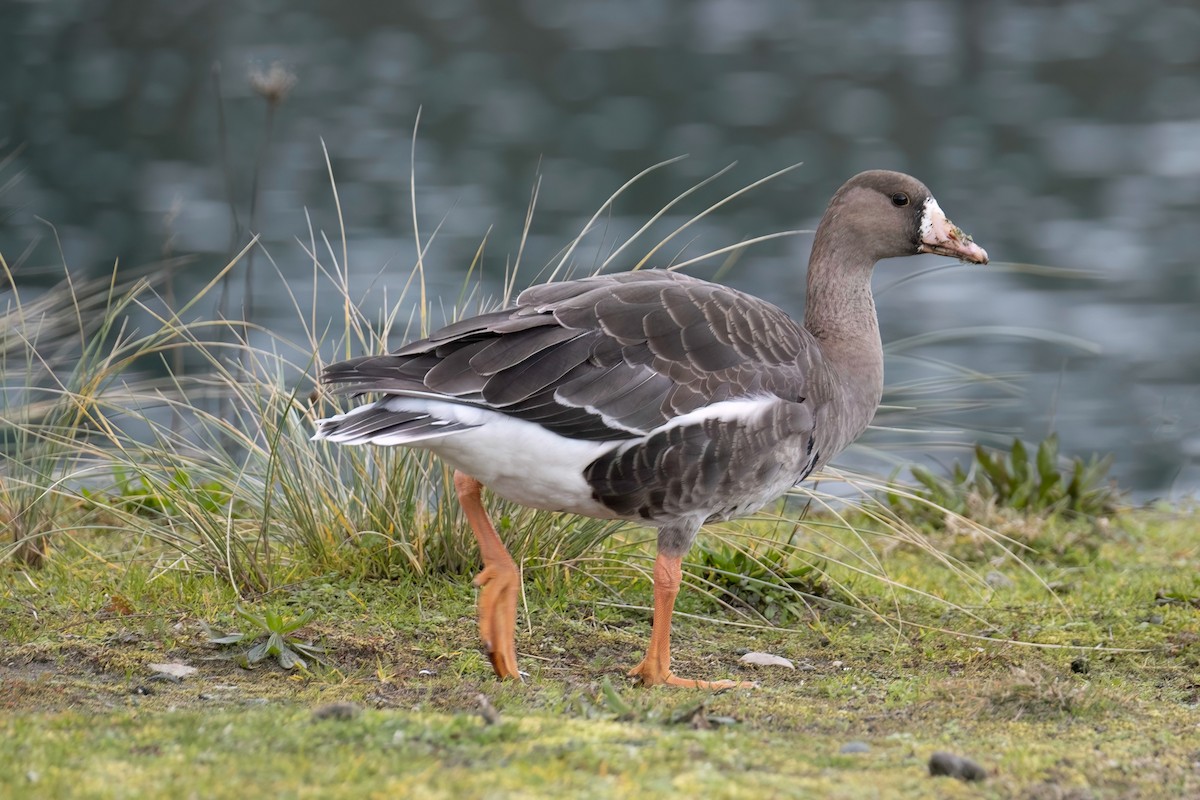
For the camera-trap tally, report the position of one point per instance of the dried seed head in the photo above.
(274, 84)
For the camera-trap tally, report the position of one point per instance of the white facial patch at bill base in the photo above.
(935, 228)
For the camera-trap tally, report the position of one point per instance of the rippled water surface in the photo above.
(1063, 135)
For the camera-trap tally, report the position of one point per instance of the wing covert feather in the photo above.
(606, 357)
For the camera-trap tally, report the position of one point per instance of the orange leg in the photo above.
(499, 582)
(655, 668)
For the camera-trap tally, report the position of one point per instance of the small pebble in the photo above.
(173, 669)
(998, 580)
(942, 763)
(486, 710)
(855, 747)
(766, 660)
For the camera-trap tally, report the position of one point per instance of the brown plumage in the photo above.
(650, 395)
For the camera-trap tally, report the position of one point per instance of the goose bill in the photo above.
(942, 237)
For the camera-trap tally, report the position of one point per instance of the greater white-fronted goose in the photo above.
(649, 396)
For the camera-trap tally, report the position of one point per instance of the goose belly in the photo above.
(525, 463)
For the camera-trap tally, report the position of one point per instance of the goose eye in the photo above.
(900, 199)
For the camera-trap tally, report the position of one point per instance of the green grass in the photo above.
(83, 715)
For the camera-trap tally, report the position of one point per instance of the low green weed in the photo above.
(290, 651)
(1036, 484)
(137, 494)
(766, 580)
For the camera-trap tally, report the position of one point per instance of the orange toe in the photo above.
(650, 675)
(500, 588)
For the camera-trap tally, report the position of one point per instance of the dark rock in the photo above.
(971, 771)
(948, 764)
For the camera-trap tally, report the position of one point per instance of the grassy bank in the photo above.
(1106, 708)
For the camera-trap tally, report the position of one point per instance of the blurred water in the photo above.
(1064, 135)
